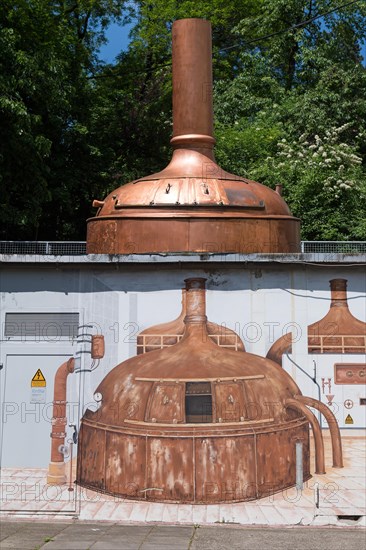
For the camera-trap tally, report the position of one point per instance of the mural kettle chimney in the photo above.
(339, 331)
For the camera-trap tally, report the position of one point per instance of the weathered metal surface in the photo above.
(339, 331)
(124, 464)
(91, 457)
(56, 469)
(192, 205)
(148, 440)
(276, 458)
(166, 403)
(295, 404)
(333, 427)
(167, 334)
(225, 469)
(229, 399)
(182, 466)
(167, 474)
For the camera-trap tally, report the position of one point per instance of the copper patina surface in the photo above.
(192, 205)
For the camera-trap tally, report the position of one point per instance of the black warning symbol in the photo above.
(38, 380)
(349, 419)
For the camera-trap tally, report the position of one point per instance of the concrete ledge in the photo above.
(204, 258)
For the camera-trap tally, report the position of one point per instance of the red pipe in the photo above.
(56, 469)
(335, 433)
(319, 444)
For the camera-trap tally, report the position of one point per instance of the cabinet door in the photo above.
(166, 403)
(26, 414)
(229, 399)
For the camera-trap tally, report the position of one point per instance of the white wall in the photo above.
(260, 302)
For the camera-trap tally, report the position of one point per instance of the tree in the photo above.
(325, 184)
(152, 32)
(72, 129)
(47, 53)
(298, 87)
(132, 124)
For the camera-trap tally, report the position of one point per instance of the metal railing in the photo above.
(337, 247)
(44, 248)
(161, 341)
(78, 248)
(340, 343)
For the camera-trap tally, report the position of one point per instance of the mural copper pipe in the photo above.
(318, 438)
(279, 347)
(56, 469)
(338, 291)
(335, 433)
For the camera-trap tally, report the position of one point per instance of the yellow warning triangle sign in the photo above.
(349, 419)
(38, 380)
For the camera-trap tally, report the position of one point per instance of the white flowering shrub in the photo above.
(335, 164)
(324, 182)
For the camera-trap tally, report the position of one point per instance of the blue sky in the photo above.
(117, 41)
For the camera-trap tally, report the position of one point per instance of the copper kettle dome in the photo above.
(192, 205)
(196, 422)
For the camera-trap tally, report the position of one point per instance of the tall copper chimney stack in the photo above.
(192, 85)
(192, 205)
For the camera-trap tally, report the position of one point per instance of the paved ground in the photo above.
(20, 535)
(24, 493)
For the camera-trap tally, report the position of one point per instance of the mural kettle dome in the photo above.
(196, 422)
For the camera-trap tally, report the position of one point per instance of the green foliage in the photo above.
(72, 128)
(324, 183)
(298, 87)
(155, 19)
(131, 124)
(242, 147)
(47, 50)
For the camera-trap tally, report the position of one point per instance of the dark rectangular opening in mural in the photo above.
(198, 402)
